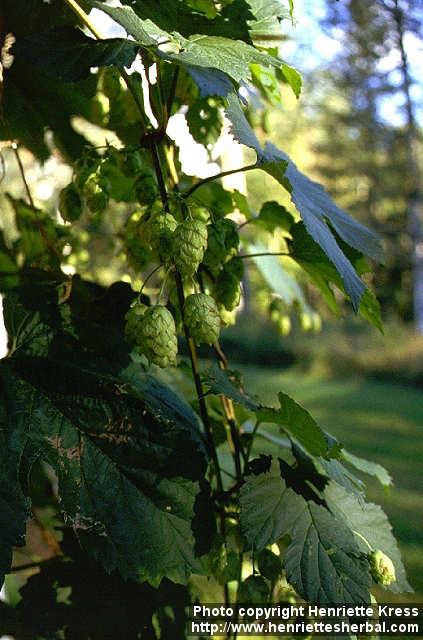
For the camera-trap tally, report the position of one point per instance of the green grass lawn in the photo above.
(380, 421)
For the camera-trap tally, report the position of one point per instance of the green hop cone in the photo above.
(95, 195)
(227, 290)
(227, 318)
(382, 568)
(235, 266)
(133, 164)
(222, 243)
(99, 110)
(157, 336)
(202, 318)
(146, 189)
(189, 245)
(111, 83)
(160, 229)
(133, 322)
(70, 203)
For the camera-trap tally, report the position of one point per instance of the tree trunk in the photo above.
(415, 198)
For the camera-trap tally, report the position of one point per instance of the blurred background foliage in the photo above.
(363, 386)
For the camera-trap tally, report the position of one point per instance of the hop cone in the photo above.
(133, 322)
(157, 336)
(146, 189)
(382, 568)
(202, 318)
(222, 243)
(189, 244)
(160, 231)
(227, 290)
(70, 203)
(95, 196)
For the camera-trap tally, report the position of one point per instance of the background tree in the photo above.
(369, 163)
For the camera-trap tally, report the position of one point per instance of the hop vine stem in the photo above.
(152, 143)
(217, 176)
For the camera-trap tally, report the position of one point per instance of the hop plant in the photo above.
(133, 322)
(99, 110)
(227, 318)
(70, 203)
(189, 245)
(235, 266)
(382, 568)
(160, 229)
(146, 189)
(95, 194)
(132, 164)
(157, 336)
(111, 83)
(227, 290)
(222, 243)
(202, 318)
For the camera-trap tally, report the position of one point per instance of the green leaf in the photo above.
(267, 17)
(116, 467)
(210, 82)
(144, 31)
(293, 78)
(14, 508)
(322, 562)
(268, 507)
(317, 210)
(335, 470)
(297, 423)
(69, 55)
(39, 237)
(219, 383)
(240, 127)
(369, 467)
(274, 216)
(30, 107)
(9, 275)
(369, 521)
(227, 55)
(308, 254)
(204, 6)
(278, 278)
(177, 17)
(232, 57)
(118, 442)
(204, 121)
(215, 198)
(267, 83)
(254, 589)
(315, 206)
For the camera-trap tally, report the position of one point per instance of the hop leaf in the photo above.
(227, 290)
(382, 568)
(157, 336)
(70, 203)
(189, 245)
(202, 318)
